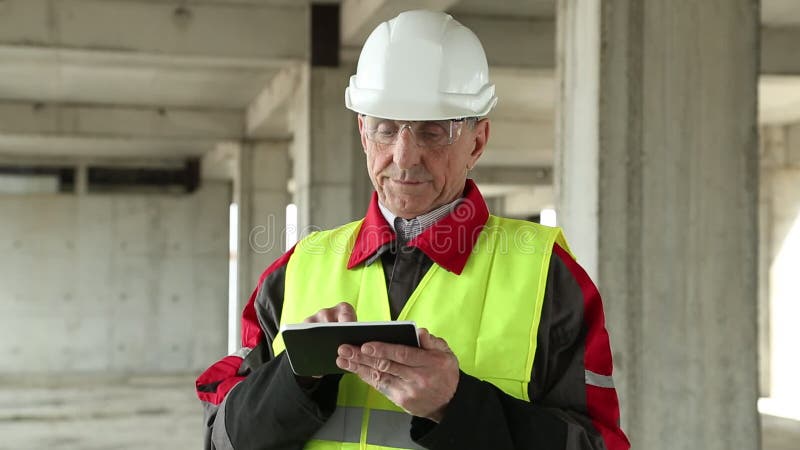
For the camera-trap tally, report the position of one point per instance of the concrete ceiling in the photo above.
(506, 8)
(52, 75)
(171, 78)
(780, 12)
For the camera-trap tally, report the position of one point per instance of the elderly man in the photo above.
(513, 349)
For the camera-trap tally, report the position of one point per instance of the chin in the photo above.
(399, 207)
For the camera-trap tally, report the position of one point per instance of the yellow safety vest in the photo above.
(489, 315)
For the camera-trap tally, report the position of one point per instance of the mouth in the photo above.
(409, 183)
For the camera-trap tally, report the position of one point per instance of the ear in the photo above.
(481, 133)
(361, 132)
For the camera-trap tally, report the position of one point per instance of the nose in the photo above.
(406, 151)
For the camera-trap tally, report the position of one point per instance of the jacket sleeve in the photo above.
(251, 399)
(574, 405)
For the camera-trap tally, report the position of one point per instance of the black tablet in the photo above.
(312, 347)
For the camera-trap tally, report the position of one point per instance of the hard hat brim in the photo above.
(377, 103)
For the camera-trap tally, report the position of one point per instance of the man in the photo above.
(513, 354)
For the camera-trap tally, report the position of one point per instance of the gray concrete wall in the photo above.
(113, 283)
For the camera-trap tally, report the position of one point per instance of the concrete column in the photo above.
(767, 136)
(260, 190)
(329, 186)
(657, 180)
(326, 152)
(269, 175)
(81, 179)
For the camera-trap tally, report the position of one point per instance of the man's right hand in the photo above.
(343, 312)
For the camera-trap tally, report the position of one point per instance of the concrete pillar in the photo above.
(260, 190)
(329, 176)
(269, 175)
(657, 180)
(81, 179)
(326, 152)
(767, 137)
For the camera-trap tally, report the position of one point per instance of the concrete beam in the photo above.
(253, 31)
(780, 52)
(534, 39)
(162, 162)
(121, 122)
(360, 17)
(534, 44)
(80, 76)
(517, 176)
(24, 145)
(266, 114)
(515, 42)
(221, 163)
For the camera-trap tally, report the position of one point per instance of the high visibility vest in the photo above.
(489, 315)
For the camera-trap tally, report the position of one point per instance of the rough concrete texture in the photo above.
(327, 156)
(676, 194)
(262, 182)
(133, 283)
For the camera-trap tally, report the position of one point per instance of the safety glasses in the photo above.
(426, 133)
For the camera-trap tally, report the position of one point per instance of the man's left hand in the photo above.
(422, 380)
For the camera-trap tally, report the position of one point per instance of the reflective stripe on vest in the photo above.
(345, 426)
(489, 315)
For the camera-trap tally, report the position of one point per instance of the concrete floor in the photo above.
(105, 413)
(116, 413)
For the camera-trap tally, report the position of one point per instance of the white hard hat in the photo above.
(421, 65)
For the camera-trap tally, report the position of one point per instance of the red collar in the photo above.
(448, 242)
